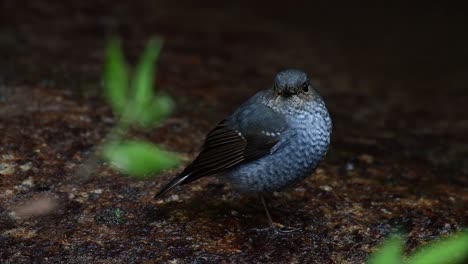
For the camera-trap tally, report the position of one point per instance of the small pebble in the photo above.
(326, 188)
(173, 198)
(8, 157)
(26, 167)
(349, 166)
(29, 182)
(368, 159)
(6, 169)
(385, 211)
(97, 191)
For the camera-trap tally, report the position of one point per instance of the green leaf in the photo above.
(144, 78)
(390, 252)
(139, 158)
(161, 107)
(451, 250)
(116, 77)
(119, 215)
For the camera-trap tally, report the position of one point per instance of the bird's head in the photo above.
(291, 82)
(292, 88)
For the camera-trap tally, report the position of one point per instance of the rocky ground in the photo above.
(394, 81)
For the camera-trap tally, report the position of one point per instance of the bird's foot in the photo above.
(277, 228)
(288, 229)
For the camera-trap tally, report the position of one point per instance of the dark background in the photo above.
(394, 78)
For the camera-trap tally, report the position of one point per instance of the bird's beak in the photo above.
(286, 92)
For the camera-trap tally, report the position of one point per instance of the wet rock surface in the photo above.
(395, 84)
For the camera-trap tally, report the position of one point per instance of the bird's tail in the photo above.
(171, 185)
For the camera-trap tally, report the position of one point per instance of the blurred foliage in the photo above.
(139, 158)
(116, 77)
(390, 252)
(135, 102)
(119, 216)
(450, 250)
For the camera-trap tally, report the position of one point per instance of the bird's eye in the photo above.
(305, 87)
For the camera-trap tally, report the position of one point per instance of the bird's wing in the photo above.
(248, 134)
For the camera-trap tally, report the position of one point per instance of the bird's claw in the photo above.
(277, 228)
(288, 229)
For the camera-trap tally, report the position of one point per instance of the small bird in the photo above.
(272, 141)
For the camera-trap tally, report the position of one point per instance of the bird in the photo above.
(274, 140)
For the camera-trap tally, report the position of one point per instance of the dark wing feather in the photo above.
(222, 146)
(243, 137)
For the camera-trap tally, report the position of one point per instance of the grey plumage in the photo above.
(275, 139)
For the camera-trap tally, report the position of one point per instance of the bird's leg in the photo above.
(274, 227)
(270, 221)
